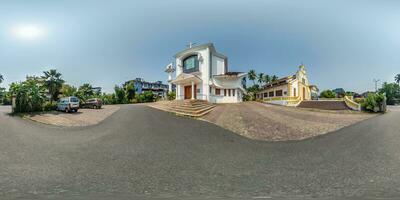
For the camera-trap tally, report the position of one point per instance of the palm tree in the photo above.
(1, 78)
(252, 76)
(397, 79)
(53, 82)
(260, 78)
(274, 78)
(267, 78)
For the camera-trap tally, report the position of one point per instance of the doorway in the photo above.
(188, 92)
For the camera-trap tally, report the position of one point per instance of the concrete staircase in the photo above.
(192, 108)
(324, 105)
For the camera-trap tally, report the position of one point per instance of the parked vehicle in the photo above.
(68, 104)
(94, 103)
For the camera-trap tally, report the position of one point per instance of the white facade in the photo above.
(202, 73)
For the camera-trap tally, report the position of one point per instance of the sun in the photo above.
(28, 31)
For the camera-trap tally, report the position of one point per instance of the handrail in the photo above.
(330, 99)
(281, 98)
(351, 104)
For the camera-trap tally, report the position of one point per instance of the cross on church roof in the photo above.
(191, 45)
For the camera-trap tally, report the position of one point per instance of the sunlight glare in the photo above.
(29, 32)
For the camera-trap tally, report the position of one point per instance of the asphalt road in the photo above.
(140, 152)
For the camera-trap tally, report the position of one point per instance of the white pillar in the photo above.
(193, 90)
(178, 92)
(169, 84)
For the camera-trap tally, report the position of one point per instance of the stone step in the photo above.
(194, 108)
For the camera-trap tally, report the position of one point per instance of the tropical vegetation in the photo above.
(259, 80)
(327, 94)
(41, 93)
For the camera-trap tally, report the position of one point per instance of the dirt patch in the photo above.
(84, 117)
(278, 123)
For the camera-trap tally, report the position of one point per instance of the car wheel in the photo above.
(66, 110)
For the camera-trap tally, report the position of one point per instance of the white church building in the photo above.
(202, 73)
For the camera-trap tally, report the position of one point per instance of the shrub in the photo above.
(171, 95)
(29, 96)
(48, 106)
(373, 102)
(327, 94)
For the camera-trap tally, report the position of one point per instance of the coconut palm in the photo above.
(260, 78)
(397, 79)
(252, 76)
(267, 78)
(53, 82)
(274, 78)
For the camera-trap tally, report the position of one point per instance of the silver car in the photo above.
(68, 104)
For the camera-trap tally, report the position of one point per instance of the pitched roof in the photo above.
(203, 46)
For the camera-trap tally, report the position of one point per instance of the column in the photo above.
(193, 90)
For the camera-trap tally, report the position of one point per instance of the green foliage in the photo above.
(372, 102)
(247, 97)
(350, 94)
(120, 95)
(2, 95)
(252, 76)
(397, 79)
(260, 78)
(29, 96)
(108, 98)
(274, 78)
(327, 94)
(49, 106)
(145, 97)
(84, 92)
(267, 78)
(67, 90)
(130, 91)
(53, 83)
(251, 92)
(392, 92)
(171, 95)
(1, 78)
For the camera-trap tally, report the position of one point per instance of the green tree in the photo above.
(120, 95)
(392, 92)
(274, 78)
(260, 78)
(267, 78)
(252, 76)
(327, 94)
(397, 79)
(1, 78)
(67, 90)
(29, 96)
(84, 92)
(130, 91)
(53, 82)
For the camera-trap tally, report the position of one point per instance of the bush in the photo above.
(327, 94)
(145, 97)
(29, 96)
(373, 102)
(246, 97)
(171, 96)
(48, 106)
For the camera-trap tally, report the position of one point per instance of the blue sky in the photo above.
(342, 43)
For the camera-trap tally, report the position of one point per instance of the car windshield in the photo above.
(73, 99)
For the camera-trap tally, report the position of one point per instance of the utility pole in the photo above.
(376, 84)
